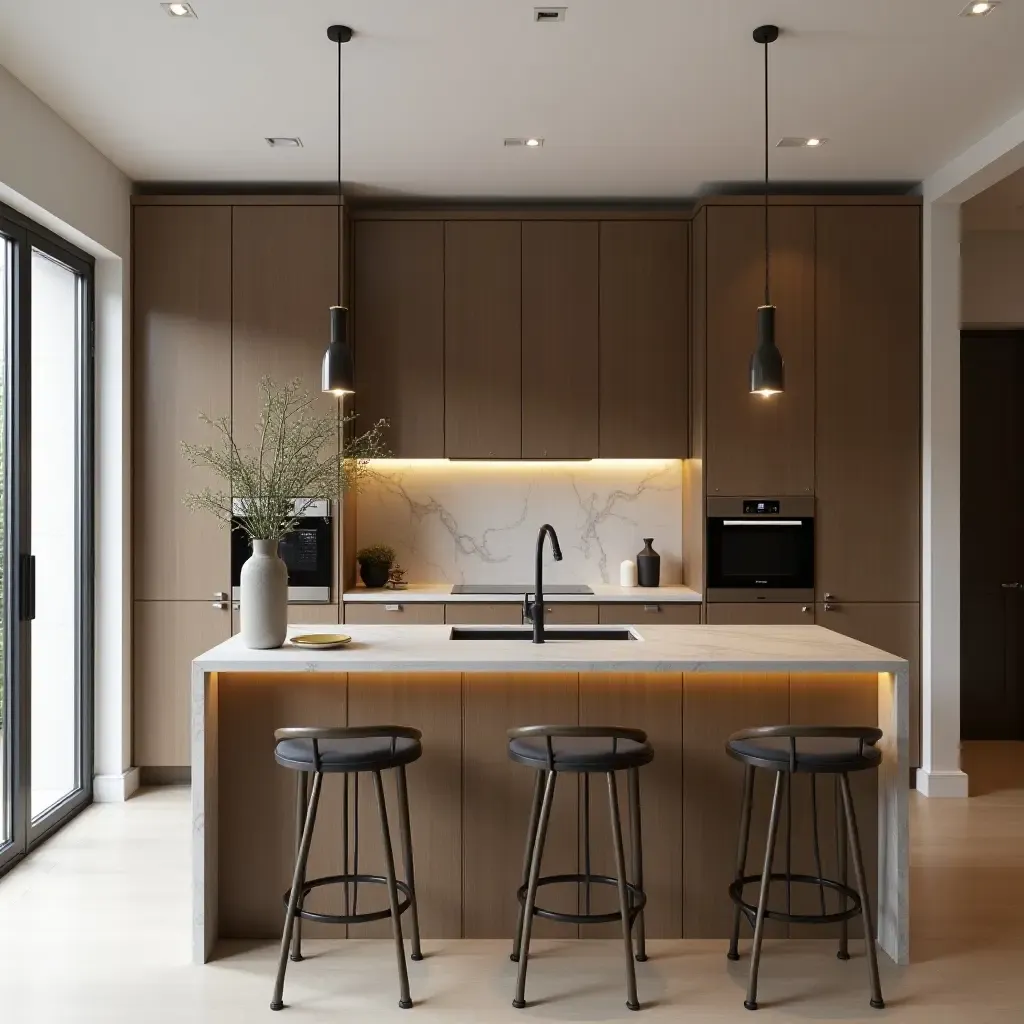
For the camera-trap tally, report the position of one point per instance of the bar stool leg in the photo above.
(865, 902)
(531, 889)
(741, 855)
(637, 857)
(762, 903)
(844, 927)
(406, 831)
(405, 999)
(531, 838)
(301, 799)
(277, 1002)
(632, 1002)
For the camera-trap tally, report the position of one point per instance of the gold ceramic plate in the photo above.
(321, 641)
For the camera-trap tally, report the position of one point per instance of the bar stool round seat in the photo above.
(348, 751)
(349, 754)
(821, 755)
(581, 753)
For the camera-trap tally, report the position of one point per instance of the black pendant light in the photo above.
(767, 371)
(338, 377)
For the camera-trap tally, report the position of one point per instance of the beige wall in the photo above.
(52, 174)
(992, 275)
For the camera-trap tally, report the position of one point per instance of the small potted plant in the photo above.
(375, 564)
(296, 458)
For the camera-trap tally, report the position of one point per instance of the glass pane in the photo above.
(6, 327)
(56, 320)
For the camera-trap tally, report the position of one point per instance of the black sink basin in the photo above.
(554, 634)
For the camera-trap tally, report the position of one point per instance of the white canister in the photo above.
(263, 585)
(627, 574)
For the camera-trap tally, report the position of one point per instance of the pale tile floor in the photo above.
(95, 928)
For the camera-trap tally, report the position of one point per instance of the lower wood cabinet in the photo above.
(167, 636)
(559, 614)
(472, 613)
(760, 613)
(635, 614)
(377, 613)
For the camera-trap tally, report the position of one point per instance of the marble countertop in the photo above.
(428, 648)
(603, 592)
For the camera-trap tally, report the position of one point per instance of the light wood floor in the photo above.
(95, 928)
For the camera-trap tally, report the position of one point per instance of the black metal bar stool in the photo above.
(585, 750)
(349, 751)
(788, 750)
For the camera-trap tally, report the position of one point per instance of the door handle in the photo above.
(27, 586)
(829, 607)
(220, 600)
(805, 608)
(1011, 586)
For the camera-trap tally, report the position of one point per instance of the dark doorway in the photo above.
(992, 535)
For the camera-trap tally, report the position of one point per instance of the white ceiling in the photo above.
(635, 98)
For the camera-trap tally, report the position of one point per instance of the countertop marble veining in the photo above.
(603, 593)
(428, 648)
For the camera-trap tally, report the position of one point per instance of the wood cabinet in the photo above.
(868, 367)
(482, 340)
(758, 446)
(634, 613)
(644, 329)
(398, 327)
(560, 614)
(560, 339)
(167, 635)
(473, 613)
(378, 613)
(182, 366)
(760, 613)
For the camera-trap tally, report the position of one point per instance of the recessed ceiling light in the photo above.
(284, 142)
(800, 142)
(979, 7)
(546, 14)
(180, 10)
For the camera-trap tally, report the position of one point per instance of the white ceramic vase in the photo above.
(264, 597)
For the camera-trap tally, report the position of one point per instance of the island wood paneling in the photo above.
(432, 703)
(714, 706)
(482, 340)
(496, 800)
(560, 340)
(257, 806)
(652, 701)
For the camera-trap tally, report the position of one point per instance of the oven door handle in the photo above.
(762, 522)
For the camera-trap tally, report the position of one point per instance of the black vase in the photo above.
(648, 565)
(374, 574)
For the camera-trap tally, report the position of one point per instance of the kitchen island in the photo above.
(689, 687)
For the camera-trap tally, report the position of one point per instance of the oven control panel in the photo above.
(760, 507)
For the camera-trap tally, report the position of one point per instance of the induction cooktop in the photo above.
(520, 588)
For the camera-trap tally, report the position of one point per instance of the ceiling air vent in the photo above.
(546, 14)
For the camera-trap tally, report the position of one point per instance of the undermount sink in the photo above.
(550, 635)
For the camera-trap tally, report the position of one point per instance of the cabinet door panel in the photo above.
(167, 635)
(636, 614)
(482, 340)
(398, 306)
(760, 613)
(868, 463)
(474, 614)
(373, 613)
(643, 348)
(560, 339)
(559, 614)
(894, 628)
(757, 445)
(182, 366)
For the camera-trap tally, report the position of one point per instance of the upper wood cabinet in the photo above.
(758, 446)
(182, 366)
(644, 317)
(560, 339)
(398, 309)
(284, 280)
(482, 340)
(868, 463)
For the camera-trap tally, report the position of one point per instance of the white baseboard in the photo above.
(115, 789)
(942, 783)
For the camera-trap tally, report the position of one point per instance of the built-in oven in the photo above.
(306, 550)
(760, 549)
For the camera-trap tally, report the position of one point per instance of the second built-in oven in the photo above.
(760, 549)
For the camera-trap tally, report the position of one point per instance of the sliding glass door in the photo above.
(46, 616)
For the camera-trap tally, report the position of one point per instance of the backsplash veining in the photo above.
(473, 522)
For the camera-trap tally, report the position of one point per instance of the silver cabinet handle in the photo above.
(392, 607)
(1011, 586)
(652, 607)
(829, 607)
(806, 608)
(220, 599)
(828, 596)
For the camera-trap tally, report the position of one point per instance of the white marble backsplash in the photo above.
(477, 522)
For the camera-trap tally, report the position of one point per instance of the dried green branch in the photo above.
(298, 454)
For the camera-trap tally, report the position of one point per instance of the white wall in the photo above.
(51, 173)
(992, 278)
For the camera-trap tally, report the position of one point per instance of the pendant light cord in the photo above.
(339, 172)
(767, 248)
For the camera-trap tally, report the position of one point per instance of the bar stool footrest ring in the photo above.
(637, 899)
(374, 915)
(750, 909)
